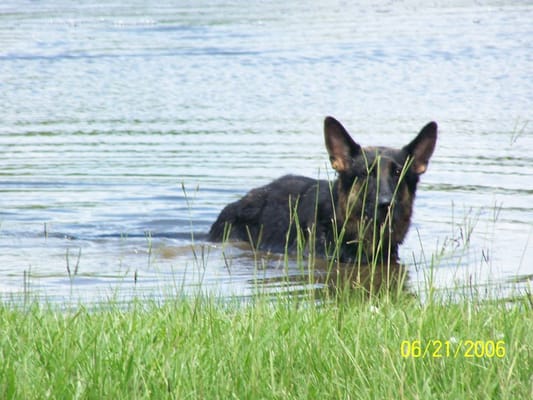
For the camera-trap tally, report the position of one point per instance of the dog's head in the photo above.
(376, 187)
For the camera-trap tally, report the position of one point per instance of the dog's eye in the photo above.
(397, 171)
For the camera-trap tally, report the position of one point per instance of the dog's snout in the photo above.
(385, 195)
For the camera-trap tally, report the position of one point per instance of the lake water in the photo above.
(125, 129)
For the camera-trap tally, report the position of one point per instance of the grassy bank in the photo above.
(208, 348)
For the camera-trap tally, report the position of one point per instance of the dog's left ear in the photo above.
(421, 148)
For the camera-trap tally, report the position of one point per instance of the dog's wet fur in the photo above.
(362, 216)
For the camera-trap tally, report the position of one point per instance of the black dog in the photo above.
(361, 216)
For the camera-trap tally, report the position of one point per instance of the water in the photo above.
(125, 129)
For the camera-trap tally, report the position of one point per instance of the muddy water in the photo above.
(125, 130)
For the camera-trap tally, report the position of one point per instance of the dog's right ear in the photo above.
(341, 147)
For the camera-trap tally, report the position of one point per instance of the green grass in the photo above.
(344, 344)
(204, 347)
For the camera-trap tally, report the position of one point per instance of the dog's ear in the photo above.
(341, 147)
(421, 148)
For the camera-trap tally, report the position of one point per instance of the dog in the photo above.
(362, 216)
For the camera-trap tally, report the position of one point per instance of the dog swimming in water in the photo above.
(361, 216)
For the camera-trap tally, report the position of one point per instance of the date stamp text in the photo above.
(452, 348)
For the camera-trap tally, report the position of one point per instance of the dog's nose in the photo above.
(384, 201)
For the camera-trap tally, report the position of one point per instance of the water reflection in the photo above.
(297, 276)
(341, 280)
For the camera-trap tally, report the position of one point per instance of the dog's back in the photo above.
(266, 217)
(364, 214)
